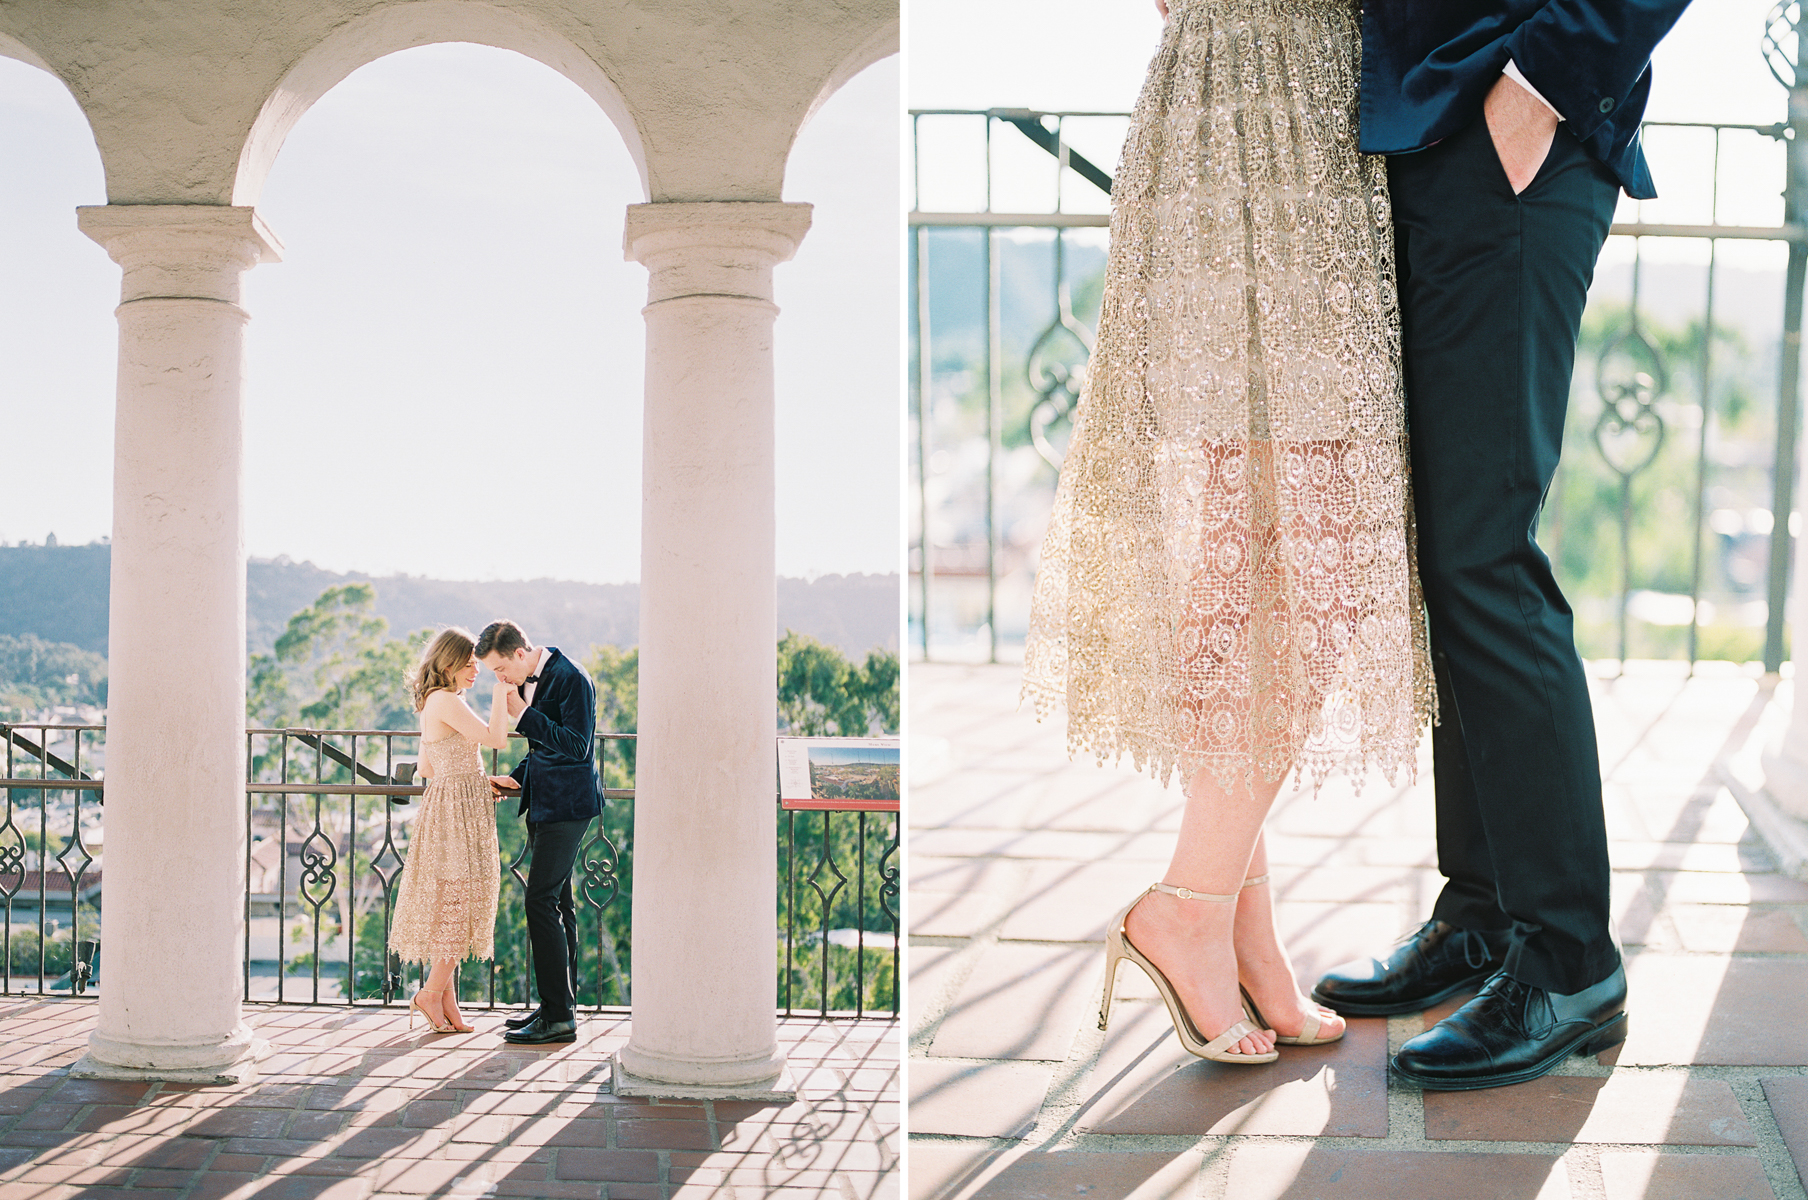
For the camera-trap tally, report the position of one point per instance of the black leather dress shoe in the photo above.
(1513, 1032)
(1435, 962)
(522, 1021)
(541, 1032)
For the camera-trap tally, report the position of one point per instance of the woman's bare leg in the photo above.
(448, 999)
(1263, 964)
(433, 994)
(1191, 941)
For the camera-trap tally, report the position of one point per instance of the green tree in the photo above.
(821, 694)
(878, 687)
(334, 667)
(616, 673)
(36, 674)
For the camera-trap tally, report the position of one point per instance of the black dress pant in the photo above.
(552, 915)
(1492, 287)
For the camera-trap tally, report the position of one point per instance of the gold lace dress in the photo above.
(446, 903)
(1227, 581)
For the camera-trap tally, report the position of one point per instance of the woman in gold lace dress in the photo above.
(1227, 589)
(446, 906)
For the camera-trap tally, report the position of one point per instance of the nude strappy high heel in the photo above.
(1308, 1034)
(457, 1025)
(414, 1006)
(1119, 947)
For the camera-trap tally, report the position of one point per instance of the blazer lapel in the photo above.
(540, 685)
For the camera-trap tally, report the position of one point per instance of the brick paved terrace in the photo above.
(1018, 859)
(353, 1105)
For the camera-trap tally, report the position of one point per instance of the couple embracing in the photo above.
(1334, 225)
(446, 906)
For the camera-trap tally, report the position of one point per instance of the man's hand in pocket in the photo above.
(1522, 129)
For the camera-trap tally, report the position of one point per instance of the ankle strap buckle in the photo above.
(1185, 893)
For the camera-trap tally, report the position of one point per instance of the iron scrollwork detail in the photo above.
(1631, 377)
(1057, 366)
(12, 858)
(602, 866)
(319, 860)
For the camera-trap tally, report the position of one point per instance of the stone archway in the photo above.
(385, 31)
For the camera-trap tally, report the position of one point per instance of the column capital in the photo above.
(721, 248)
(180, 251)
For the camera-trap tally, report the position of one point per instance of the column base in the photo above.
(233, 1060)
(1786, 774)
(1772, 810)
(780, 1089)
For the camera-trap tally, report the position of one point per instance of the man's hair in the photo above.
(501, 637)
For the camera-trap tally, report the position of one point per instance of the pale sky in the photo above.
(453, 303)
(1091, 55)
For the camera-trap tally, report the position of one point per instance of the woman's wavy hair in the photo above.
(442, 660)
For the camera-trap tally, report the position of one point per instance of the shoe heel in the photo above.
(1114, 957)
(1606, 1037)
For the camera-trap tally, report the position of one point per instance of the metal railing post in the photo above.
(994, 405)
(1795, 210)
(926, 543)
(1705, 399)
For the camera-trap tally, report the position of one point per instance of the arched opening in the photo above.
(453, 295)
(395, 27)
(57, 350)
(837, 353)
(444, 382)
(57, 337)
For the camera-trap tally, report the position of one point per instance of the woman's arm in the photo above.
(451, 708)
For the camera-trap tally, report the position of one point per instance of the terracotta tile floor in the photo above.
(1018, 858)
(353, 1104)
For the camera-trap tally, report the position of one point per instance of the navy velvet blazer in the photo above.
(1427, 64)
(558, 777)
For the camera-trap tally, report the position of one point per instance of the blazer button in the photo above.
(1607, 104)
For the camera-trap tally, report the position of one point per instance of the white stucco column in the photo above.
(1779, 812)
(172, 900)
(705, 830)
(1786, 765)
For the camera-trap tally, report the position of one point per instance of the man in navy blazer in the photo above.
(1512, 127)
(1430, 66)
(553, 706)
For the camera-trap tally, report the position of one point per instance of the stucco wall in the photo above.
(189, 99)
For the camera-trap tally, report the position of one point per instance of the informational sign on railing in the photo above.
(857, 774)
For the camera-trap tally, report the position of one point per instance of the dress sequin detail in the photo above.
(1228, 579)
(446, 903)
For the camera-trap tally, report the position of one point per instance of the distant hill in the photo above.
(59, 593)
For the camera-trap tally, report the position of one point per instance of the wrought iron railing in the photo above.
(47, 866)
(327, 816)
(828, 945)
(990, 404)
